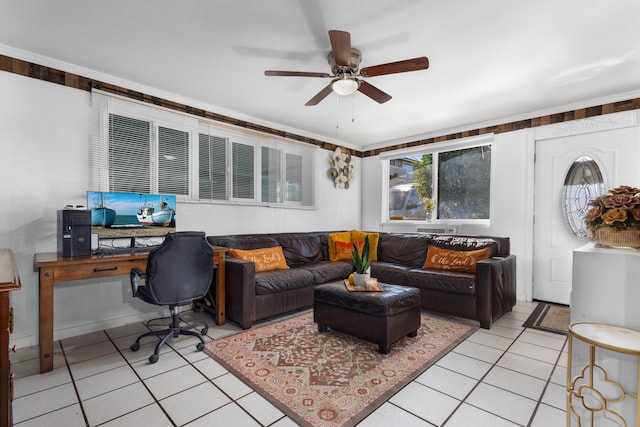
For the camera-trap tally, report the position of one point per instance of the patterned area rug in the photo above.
(331, 379)
(549, 317)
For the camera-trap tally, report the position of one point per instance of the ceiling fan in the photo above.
(344, 61)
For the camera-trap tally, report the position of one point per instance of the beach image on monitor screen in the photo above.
(121, 215)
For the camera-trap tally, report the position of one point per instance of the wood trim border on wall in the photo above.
(52, 75)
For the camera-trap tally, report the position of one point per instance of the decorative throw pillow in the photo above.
(344, 237)
(265, 259)
(450, 260)
(358, 236)
(344, 250)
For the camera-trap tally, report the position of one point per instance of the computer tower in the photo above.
(74, 232)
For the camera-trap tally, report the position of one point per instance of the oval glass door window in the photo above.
(582, 184)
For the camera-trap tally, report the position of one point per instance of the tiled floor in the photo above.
(505, 376)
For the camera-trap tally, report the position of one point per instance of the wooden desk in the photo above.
(9, 281)
(54, 268)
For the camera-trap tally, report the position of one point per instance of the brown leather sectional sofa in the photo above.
(484, 296)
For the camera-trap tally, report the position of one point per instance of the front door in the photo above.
(616, 154)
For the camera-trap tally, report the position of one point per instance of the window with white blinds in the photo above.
(139, 148)
(212, 167)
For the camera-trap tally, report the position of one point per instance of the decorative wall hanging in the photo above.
(341, 170)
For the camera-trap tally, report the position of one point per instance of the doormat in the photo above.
(331, 378)
(549, 317)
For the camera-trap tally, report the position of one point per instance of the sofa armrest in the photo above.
(495, 288)
(240, 291)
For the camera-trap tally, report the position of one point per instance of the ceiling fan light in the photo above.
(345, 86)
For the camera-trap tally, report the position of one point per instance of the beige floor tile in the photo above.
(555, 395)
(40, 382)
(105, 382)
(97, 365)
(448, 382)
(150, 415)
(478, 351)
(174, 381)
(552, 341)
(36, 404)
(260, 408)
(467, 416)
(168, 361)
(70, 416)
(194, 403)
(426, 403)
(230, 414)
(116, 403)
(482, 336)
(464, 365)
(82, 353)
(535, 352)
(391, 415)
(515, 382)
(232, 386)
(507, 405)
(547, 416)
(526, 365)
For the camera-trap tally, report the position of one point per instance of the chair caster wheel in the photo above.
(204, 331)
(200, 347)
(153, 358)
(135, 346)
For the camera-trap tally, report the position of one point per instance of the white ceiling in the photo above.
(490, 60)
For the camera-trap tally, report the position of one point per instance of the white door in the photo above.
(616, 154)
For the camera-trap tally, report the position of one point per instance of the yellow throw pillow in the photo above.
(358, 236)
(450, 260)
(344, 250)
(265, 259)
(344, 237)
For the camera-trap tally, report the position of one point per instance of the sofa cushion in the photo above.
(450, 260)
(374, 238)
(386, 272)
(248, 241)
(325, 271)
(466, 243)
(404, 249)
(265, 259)
(276, 281)
(444, 281)
(301, 249)
(344, 237)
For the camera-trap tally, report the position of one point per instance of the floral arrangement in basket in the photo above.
(619, 209)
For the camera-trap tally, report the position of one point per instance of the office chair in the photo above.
(178, 272)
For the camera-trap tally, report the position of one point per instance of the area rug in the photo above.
(331, 379)
(549, 317)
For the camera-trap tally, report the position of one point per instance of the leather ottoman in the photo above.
(379, 317)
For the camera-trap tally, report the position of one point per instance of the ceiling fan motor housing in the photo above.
(354, 64)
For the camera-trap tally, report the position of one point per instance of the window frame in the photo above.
(434, 149)
(105, 104)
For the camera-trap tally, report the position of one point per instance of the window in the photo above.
(582, 184)
(139, 148)
(458, 180)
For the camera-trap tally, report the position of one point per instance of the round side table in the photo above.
(587, 398)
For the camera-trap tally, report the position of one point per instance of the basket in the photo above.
(629, 238)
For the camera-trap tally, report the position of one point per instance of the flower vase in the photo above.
(360, 279)
(427, 217)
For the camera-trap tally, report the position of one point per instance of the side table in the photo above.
(597, 391)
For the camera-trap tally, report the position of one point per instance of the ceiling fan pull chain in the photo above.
(337, 113)
(353, 108)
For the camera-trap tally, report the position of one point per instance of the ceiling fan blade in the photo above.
(295, 74)
(373, 92)
(341, 47)
(319, 96)
(414, 64)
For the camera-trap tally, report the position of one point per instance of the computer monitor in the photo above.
(130, 215)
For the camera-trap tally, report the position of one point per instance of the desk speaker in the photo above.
(74, 233)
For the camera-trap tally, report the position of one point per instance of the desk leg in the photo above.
(46, 320)
(218, 258)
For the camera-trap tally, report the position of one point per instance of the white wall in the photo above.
(511, 203)
(44, 165)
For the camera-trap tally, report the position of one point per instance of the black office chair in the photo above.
(179, 271)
